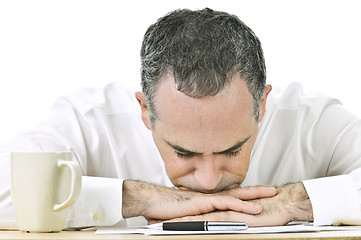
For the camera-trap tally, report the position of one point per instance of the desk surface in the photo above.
(89, 234)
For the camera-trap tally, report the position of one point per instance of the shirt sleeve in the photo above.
(99, 203)
(336, 198)
(100, 200)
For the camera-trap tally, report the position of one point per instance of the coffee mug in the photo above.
(43, 186)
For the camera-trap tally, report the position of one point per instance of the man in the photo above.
(215, 128)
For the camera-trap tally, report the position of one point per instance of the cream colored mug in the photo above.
(43, 186)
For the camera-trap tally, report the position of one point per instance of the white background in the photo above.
(51, 48)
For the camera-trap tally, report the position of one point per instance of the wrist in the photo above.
(297, 204)
(134, 198)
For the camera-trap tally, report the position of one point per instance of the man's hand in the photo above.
(157, 202)
(290, 204)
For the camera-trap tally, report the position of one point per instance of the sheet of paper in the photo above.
(277, 229)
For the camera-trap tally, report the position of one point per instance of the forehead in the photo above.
(218, 120)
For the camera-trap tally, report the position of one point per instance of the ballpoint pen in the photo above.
(200, 226)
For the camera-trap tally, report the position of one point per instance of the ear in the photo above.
(144, 109)
(262, 107)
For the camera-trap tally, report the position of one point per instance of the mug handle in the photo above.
(76, 178)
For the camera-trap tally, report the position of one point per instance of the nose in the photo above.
(208, 173)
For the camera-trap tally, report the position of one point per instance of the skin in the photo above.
(206, 144)
(290, 204)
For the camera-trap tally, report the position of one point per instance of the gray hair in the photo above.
(203, 49)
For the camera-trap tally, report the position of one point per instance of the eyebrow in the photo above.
(231, 149)
(182, 150)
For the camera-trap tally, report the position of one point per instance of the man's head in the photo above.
(203, 82)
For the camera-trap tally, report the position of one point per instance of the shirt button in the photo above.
(97, 217)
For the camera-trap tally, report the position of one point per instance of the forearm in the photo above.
(139, 197)
(163, 203)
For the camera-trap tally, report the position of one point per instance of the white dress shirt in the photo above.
(303, 137)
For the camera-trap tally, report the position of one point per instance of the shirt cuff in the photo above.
(334, 200)
(99, 203)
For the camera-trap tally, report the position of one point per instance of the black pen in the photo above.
(200, 226)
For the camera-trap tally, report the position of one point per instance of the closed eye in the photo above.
(231, 154)
(186, 155)
(191, 155)
(235, 150)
